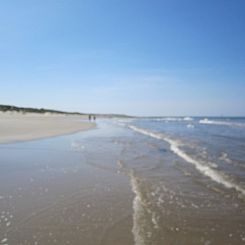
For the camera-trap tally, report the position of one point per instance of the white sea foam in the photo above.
(174, 119)
(126, 120)
(204, 169)
(4, 240)
(138, 212)
(223, 123)
(145, 219)
(169, 119)
(224, 157)
(188, 119)
(146, 132)
(122, 122)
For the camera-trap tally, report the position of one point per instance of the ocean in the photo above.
(140, 181)
(188, 180)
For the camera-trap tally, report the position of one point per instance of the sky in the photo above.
(136, 57)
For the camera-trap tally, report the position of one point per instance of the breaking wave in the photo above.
(204, 169)
(174, 119)
(224, 123)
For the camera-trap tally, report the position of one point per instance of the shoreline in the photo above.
(18, 127)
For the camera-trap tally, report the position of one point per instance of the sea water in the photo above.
(188, 179)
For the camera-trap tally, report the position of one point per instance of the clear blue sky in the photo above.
(139, 57)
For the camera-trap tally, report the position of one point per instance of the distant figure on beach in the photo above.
(94, 118)
(89, 117)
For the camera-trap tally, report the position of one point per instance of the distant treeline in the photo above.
(6, 108)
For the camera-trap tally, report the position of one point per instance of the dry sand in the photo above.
(21, 127)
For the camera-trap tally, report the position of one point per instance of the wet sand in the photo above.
(64, 190)
(21, 127)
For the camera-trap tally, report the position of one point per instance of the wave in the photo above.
(204, 169)
(224, 123)
(190, 126)
(126, 120)
(188, 119)
(174, 119)
(123, 122)
(145, 218)
(138, 215)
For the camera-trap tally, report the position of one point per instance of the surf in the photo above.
(206, 170)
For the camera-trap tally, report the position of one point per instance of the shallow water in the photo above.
(195, 191)
(144, 182)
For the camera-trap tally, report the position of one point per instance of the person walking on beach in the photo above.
(89, 117)
(94, 118)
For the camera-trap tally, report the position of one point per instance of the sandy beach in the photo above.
(21, 127)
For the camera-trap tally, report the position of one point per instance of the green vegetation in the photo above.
(10, 108)
(6, 108)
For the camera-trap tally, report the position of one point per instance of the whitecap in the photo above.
(188, 119)
(222, 123)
